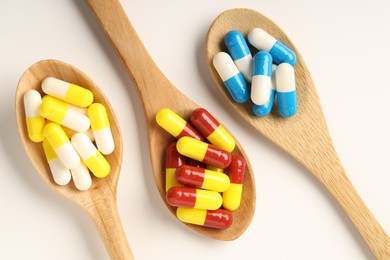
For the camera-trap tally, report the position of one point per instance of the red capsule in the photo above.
(212, 129)
(202, 178)
(195, 163)
(193, 198)
(173, 160)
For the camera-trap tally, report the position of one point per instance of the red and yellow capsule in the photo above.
(203, 152)
(232, 196)
(173, 160)
(212, 129)
(175, 125)
(219, 219)
(193, 198)
(202, 178)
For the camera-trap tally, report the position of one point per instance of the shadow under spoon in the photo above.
(304, 136)
(157, 92)
(100, 200)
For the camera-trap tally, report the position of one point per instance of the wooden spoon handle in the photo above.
(115, 23)
(341, 188)
(104, 212)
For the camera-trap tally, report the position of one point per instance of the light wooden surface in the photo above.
(157, 92)
(100, 200)
(305, 136)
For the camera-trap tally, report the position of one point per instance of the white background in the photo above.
(346, 47)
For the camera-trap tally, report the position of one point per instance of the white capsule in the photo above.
(81, 177)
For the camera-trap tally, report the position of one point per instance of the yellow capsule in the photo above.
(232, 197)
(34, 121)
(101, 128)
(62, 113)
(94, 160)
(61, 145)
(61, 174)
(68, 92)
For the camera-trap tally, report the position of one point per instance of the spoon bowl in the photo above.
(156, 92)
(304, 136)
(100, 200)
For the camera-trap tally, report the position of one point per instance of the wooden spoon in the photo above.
(100, 200)
(157, 92)
(305, 136)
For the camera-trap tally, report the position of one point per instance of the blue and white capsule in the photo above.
(240, 53)
(231, 77)
(280, 53)
(261, 78)
(265, 109)
(285, 90)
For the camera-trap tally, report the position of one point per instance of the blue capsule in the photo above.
(261, 78)
(265, 109)
(280, 53)
(231, 77)
(285, 88)
(240, 53)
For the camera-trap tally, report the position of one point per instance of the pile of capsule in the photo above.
(67, 122)
(269, 71)
(199, 170)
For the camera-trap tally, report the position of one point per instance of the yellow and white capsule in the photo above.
(94, 160)
(62, 113)
(70, 132)
(68, 92)
(81, 177)
(61, 174)
(34, 121)
(60, 143)
(101, 130)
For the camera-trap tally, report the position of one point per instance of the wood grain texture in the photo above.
(305, 136)
(157, 92)
(100, 200)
